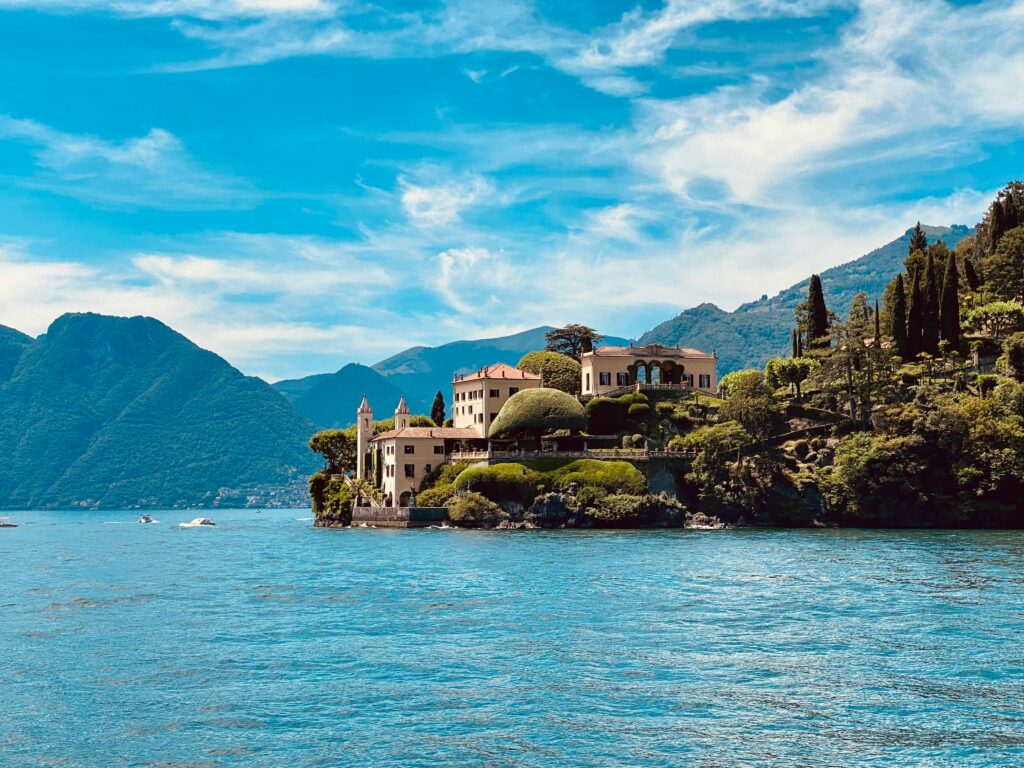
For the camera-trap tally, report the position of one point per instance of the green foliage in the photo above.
(915, 318)
(337, 446)
(632, 511)
(792, 371)
(438, 496)
(801, 448)
(716, 447)
(664, 410)
(502, 482)
(612, 476)
(332, 499)
(918, 241)
(572, 340)
(473, 509)
(639, 411)
(816, 314)
(437, 410)
(1004, 268)
(439, 485)
(898, 319)
(589, 497)
(930, 309)
(605, 416)
(634, 441)
(949, 304)
(558, 371)
(1012, 361)
(996, 318)
(741, 383)
(535, 411)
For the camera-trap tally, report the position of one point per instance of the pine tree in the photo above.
(930, 309)
(914, 316)
(437, 410)
(817, 314)
(918, 241)
(878, 325)
(898, 319)
(949, 306)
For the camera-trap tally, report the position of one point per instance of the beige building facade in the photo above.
(608, 369)
(477, 397)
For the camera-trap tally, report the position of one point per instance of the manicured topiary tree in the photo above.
(536, 411)
(557, 370)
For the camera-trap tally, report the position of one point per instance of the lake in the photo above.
(266, 642)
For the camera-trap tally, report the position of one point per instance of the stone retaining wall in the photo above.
(399, 517)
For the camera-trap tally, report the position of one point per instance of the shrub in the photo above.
(627, 511)
(473, 509)
(818, 443)
(502, 482)
(558, 371)
(634, 398)
(745, 383)
(986, 383)
(535, 411)
(1012, 360)
(590, 497)
(801, 448)
(665, 410)
(634, 441)
(612, 476)
(605, 416)
(678, 444)
(437, 496)
(639, 411)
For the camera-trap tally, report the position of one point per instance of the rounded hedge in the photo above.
(502, 482)
(558, 371)
(639, 411)
(537, 411)
(612, 476)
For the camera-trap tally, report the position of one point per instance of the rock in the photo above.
(548, 511)
(704, 522)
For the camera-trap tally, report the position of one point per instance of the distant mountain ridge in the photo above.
(12, 344)
(759, 330)
(115, 412)
(330, 400)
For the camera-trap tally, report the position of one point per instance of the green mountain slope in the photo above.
(109, 411)
(12, 344)
(757, 331)
(330, 400)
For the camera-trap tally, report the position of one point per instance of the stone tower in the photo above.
(364, 433)
(402, 415)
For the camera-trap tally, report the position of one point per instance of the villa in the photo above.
(610, 369)
(396, 462)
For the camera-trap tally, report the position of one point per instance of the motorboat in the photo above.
(199, 522)
(146, 519)
(5, 522)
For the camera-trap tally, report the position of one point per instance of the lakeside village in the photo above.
(903, 410)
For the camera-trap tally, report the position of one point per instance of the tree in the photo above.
(1012, 361)
(337, 446)
(898, 319)
(918, 240)
(741, 383)
(536, 411)
(572, 340)
(915, 317)
(949, 304)
(971, 275)
(437, 410)
(1004, 269)
(997, 318)
(817, 314)
(878, 325)
(930, 309)
(558, 371)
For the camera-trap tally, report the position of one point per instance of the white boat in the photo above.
(146, 519)
(5, 522)
(199, 522)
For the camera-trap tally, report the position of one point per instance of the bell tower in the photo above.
(402, 415)
(364, 433)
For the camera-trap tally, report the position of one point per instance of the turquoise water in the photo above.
(266, 642)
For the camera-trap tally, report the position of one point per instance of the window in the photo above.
(480, 418)
(410, 449)
(471, 409)
(439, 450)
(689, 379)
(606, 379)
(427, 469)
(622, 379)
(410, 470)
(512, 391)
(494, 393)
(587, 387)
(705, 381)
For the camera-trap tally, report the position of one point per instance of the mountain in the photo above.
(330, 400)
(761, 329)
(12, 344)
(112, 412)
(418, 373)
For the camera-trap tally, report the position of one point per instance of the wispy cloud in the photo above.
(154, 170)
(440, 204)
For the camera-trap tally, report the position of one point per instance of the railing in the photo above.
(627, 454)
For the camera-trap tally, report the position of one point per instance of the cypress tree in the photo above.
(918, 241)
(796, 344)
(914, 315)
(949, 306)
(878, 326)
(437, 410)
(898, 319)
(973, 281)
(930, 310)
(817, 314)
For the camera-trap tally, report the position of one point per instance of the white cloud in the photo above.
(206, 9)
(440, 204)
(154, 170)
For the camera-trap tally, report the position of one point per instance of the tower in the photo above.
(402, 415)
(364, 433)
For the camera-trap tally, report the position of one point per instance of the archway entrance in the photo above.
(403, 500)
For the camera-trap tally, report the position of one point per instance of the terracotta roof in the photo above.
(651, 351)
(498, 371)
(436, 433)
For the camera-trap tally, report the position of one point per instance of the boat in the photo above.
(199, 522)
(5, 522)
(146, 519)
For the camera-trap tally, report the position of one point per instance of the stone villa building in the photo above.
(478, 397)
(608, 369)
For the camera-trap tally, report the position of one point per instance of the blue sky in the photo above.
(296, 184)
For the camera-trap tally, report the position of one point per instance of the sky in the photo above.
(297, 184)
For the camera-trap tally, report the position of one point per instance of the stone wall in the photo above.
(399, 517)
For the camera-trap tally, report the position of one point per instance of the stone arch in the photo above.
(655, 372)
(405, 498)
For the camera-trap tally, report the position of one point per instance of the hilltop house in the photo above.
(478, 397)
(608, 369)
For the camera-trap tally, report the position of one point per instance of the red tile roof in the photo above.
(498, 371)
(436, 433)
(651, 352)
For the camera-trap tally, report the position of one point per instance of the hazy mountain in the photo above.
(331, 399)
(757, 331)
(12, 344)
(110, 411)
